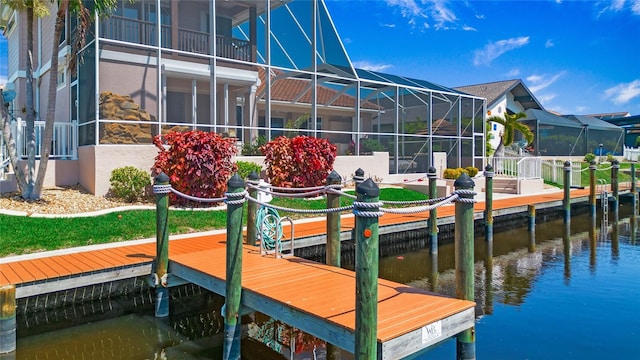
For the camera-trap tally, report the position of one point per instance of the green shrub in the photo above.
(245, 168)
(471, 171)
(253, 149)
(610, 157)
(589, 157)
(455, 173)
(129, 183)
(451, 173)
(370, 145)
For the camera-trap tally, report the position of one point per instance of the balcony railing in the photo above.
(133, 31)
(144, 32)
(64, 143)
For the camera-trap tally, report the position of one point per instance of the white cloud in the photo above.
(623, 93)
(468, 28)
(442, 16)
(388, 25)
(539, 82)
(365, 65)
(3, 79)
(408, 8)
(493, 50)
(549, 44)
(618, 6)
(513, 73)
(546, 98)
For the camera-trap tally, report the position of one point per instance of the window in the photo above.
(11, 24)
(277, 124)
(62, 77)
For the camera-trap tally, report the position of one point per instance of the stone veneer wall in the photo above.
(123, 108)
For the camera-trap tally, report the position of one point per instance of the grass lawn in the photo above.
(23, 235)
(603, 172)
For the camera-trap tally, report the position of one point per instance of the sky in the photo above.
(576, 57)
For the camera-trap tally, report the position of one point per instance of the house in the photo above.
(246, 68)
(510, 96)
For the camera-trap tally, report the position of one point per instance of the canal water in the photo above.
(563, 293)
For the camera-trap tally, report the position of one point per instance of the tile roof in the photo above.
(298, 90)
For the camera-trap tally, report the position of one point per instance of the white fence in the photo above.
(63, 146)
(553, 171)
(4, 158)
(631, 154)
(64, 143)
(523, 168)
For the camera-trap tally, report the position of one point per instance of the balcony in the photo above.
(145, 33)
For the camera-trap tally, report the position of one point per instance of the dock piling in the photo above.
(366, 210)
(333, 247)
(488, 211)
(433, 213)
(252, 209)
(333, 221)
(464, 259)
(7, 319)
(233, 286)
(162, 189)
(592, 189)
(566, 201)
(615, 168)
(634, 189)
(358, 178)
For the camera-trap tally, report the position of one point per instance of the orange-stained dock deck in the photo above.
(316, 298)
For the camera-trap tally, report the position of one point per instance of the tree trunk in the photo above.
(11, 147)
(30, 113)
(47, 137)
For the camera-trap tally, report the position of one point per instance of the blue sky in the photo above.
(577, 57)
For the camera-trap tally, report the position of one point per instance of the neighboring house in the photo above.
(156, 66)
(511, 96)
(631, 125)
(572, 135)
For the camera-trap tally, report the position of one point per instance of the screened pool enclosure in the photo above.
(572, 135)
(262, 68)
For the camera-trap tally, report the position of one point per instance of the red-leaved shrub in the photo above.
(198, 163)
(302, 161)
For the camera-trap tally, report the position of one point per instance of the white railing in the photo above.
(523, 168)
(553, 171)
(4, 158)
(64, 144)
(631, 154)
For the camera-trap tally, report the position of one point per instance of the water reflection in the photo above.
(566, 244)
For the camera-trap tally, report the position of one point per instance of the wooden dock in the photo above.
(313, 297)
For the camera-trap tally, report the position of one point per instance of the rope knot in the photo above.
(235, 198)
(162, 189)
(360, 206)
(461, 199)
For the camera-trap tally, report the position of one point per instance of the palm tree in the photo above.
(511, 125)
(29, 188)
